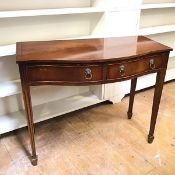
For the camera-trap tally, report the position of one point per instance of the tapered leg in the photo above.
(131, 99)
(29, 113)
(156, 101)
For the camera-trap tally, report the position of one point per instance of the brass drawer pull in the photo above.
(88, 74)
(152, 64)
(121, 70)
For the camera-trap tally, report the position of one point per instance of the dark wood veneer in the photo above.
(88, 50)
(88, 62)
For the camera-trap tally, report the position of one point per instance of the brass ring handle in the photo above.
(88, 74)
(121, 70)
(152, 64)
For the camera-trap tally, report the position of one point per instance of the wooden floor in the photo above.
(99, 140)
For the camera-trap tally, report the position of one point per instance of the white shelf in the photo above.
(9, 88)
(150, 79)
(172, 53)
(167, 39)
(46, 12)
(45, 111)
(87, 37)
(158, 5)
(171, 63)
(157, 29)
(170, 74)
(8, 50)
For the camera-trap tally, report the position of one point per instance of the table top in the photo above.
(88, 50)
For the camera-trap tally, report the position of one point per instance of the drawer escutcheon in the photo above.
(152, 64)
(88, 74)
(121, 70)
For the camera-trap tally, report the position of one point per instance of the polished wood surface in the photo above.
(98, 140)
(156, 101)
(131, 99)
(88, 50)
(29, 114)
(89, 62)
(67, 74)
(89, 74)
(135, 67)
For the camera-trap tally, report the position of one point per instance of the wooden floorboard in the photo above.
(98, 140)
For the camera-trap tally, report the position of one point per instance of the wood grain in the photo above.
(89, 62)
(88, 50)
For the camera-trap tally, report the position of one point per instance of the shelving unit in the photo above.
(48, 110)
(36, 28)
(171, 62)
(7, 50)
(158, 5)
(47, 12)
(157, 29)
(158, 23)
(10, 88)
(50, 20)
(166, 38)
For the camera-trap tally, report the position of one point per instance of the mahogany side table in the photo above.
(89, 62)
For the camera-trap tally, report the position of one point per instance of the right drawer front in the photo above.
(136, 67)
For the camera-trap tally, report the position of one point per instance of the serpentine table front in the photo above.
(90, 62)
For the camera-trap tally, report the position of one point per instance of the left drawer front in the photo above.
(67, 74)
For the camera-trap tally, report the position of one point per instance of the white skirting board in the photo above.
(12, 121)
